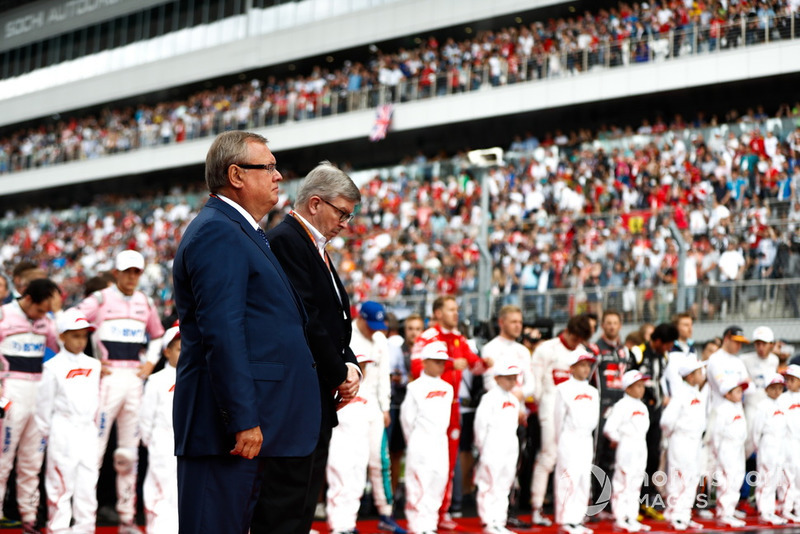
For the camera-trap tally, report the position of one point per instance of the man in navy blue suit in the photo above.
(246, 395)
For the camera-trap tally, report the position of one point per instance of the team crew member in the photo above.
(790, 404)
(66, 410)
(155, 426)
(682, 354)
(25, 332)
(683, 423)
(496, 422)
(125, 318)
(551, 366)
(626, 430)
(348, 458)
(504, 346)
(577, 409)
(769, 435)
(445, 315)
(425, 416)
(759, 364)
(369, 340)
(612, 362)
(726, 366)
(728, 437)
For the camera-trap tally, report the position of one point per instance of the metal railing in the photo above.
(490, 71)
(720, 302)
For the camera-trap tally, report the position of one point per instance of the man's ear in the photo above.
(313, 204)
(235, 177)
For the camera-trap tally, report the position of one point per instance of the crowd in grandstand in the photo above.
(632, 32)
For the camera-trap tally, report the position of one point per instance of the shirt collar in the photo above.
(319, 239)
(249, 218)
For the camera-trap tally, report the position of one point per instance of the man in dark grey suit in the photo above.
(324, 207)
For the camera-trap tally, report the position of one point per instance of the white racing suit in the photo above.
(728, 437)
(496, 422)
(627, 425)
(425, 416)
(577, 410)
(683, 422)
(550, 362)
(160, 489)
(790, 404)
(348, 457)
(769, 435)
(22, 346)
(66, 411)
(123, 327)
(377, 390)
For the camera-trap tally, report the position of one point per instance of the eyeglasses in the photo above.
(268, 168)
(344, 217)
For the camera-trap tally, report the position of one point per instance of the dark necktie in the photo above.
(264, 237)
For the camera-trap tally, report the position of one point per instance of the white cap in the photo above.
(631, 377)
(170, 335)
(764, 333)
(580, 356)
(436, 350)
(506, 367)
(792, 370)
(730, 383)
(690, 367)
(128, 259)
(73, 319)
(773, 378)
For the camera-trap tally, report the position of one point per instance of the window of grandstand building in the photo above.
(46, 33)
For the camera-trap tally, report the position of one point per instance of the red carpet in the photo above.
(472, 525)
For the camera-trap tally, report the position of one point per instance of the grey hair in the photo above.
(328, 182)
(228, 148)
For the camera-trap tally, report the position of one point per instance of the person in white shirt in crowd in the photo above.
(683, 423)
(683, 353)
(155, 427)
(496, 423)
(348, 459)
(759, 364)
(790, 404)
(728, 439)
(725, 365)
(769, 436)
(368, 339)
(425, 416)
(626, 429)
(505, 346)
(577, 410)
(66, 412)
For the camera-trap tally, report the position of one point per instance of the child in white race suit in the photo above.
(348, 459)
(769, 434)
(728, 439)
(425, 416)
(496, 422)
(160, 490)
(577, 410)
(790, 404)
(683, 423)
(626, 428)
(66, 413)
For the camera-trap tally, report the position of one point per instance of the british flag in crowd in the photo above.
(382, 120)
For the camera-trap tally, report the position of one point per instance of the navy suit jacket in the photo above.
(329, 322)
(245, 360)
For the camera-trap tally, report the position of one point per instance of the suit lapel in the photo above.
(297, 227)
(250, 232)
